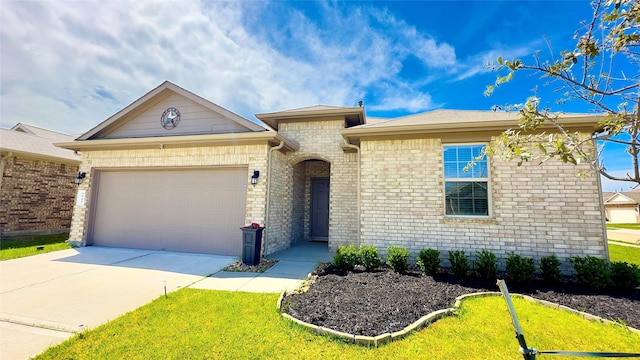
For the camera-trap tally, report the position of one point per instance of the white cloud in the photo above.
(69, 65)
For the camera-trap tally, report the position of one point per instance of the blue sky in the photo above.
(68, 65)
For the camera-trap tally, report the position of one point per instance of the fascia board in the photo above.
(179, 141)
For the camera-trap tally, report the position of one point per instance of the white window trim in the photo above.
(487, 180)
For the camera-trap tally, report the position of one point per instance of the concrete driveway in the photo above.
(44, 299)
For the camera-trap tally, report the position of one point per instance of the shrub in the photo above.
(520, 268)
(550, 269)
(625, 276)
(397, 258)
(429, 261)
(591, 271)
(459, 262)
(346, 257)
(368, 257)
(487, 264)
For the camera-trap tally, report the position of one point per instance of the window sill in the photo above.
(448, 219)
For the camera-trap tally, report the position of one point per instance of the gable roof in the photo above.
(159, 91)
(36, 142)
(353, 115)
(623, 198)
(458, 121)
(40, 132)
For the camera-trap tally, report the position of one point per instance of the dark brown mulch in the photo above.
(374, 303)
(262, 266)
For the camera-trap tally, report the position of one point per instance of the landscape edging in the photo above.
(385, 338)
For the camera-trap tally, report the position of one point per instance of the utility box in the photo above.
(251, 244)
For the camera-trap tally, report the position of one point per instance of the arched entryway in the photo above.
(310, 200)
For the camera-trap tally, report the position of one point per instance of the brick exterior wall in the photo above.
(253, 156)
(319, 140)
(537, 210)
(36, 196)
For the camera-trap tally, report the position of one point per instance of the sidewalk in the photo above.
(624, 235)
(293, 267)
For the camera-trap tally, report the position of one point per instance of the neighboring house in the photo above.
(174, 171)
(622, 207)
(37, 181)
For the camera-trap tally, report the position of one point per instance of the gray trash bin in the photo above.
(251, 244)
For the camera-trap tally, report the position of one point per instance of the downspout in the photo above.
(357, 149)
(3, 161)
(266, 215)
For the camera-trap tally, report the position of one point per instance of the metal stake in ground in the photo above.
(530, 353)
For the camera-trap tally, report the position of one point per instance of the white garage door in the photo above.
(191, 210)
(622, 215)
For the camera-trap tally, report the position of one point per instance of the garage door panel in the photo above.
(179, 210)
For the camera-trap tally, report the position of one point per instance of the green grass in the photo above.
(624, 226)
(197, 324)
(626, 254)
(21, 246)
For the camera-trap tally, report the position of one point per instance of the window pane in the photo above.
(466, 198)
(457, 157)
(464, 153)
(450, 170)
(479, 169)
(450, 153)
(477, 150)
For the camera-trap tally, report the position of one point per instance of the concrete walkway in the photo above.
(294, 265)
(46, 298)
(624, 235)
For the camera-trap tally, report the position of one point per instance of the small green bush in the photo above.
(459, 262)
(429, 261)
(398, 258)
(591, 271)
(519, 268)
(550, 269)
(625, 276)
(346, 257)
(487, 264)
(368, 257)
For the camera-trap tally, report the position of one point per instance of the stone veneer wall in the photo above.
(320, 140)
(253, 156)
(537, 210)
(36, 196)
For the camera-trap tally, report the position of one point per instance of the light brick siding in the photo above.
(278, 223)
(537, 210)
(253, 156)
(36, 196)
(319, 140)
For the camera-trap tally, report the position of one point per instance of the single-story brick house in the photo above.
(37, 181)
(622, 207)
(174, 171)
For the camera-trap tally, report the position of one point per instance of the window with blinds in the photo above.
(466, 186)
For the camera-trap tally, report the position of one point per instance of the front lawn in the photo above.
(21, 246)
(623, 253)
(198, 324)
(624, 226)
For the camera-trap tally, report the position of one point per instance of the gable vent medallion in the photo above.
(170, 118)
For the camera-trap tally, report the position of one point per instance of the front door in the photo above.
(319, 224)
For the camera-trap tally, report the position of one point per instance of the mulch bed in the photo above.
(382, 301)
(262, 266)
